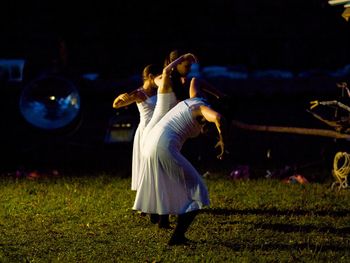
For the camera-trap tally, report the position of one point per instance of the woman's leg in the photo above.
(154, 218)
(183, 223)
(164, 222)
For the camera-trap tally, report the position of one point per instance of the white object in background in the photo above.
(338, 2)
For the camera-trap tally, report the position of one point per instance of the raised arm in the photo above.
(189, 56)
(165, 85)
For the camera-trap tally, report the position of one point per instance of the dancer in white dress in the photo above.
(166, 99)
(145, 98)
(170, 184)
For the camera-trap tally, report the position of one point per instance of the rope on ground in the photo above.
(341, 169)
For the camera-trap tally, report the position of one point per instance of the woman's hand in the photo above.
(122, 98)
(220, 144)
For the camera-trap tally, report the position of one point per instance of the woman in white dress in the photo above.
(145, 98)
(170, 184)
(170, 91)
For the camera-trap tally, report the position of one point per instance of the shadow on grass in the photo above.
(274, 212)
(288, 228)
(285, 247)
(311, 245)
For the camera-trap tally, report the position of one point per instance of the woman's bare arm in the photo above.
(126, 99)
(165, 85)
(214, 117)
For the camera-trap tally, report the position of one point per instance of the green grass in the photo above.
(89, 219)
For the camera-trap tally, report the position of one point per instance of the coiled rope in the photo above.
(341, 169)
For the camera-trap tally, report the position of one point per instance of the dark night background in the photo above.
(117, 39)
(122, 36)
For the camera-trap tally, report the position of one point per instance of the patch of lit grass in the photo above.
(89, 219)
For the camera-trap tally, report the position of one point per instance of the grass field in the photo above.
(71, 218)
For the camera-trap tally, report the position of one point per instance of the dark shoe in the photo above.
(176, 240)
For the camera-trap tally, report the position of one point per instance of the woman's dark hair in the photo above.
(151, 69)
(174, 54)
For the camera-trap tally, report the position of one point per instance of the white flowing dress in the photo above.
(145, 109)
(165, 101)
(170, 184)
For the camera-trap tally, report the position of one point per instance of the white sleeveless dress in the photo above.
(145, 109)
(170, 184)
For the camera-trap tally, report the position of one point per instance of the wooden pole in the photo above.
(293, 130)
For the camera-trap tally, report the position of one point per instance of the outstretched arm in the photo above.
(213, 116)
(126, 99)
